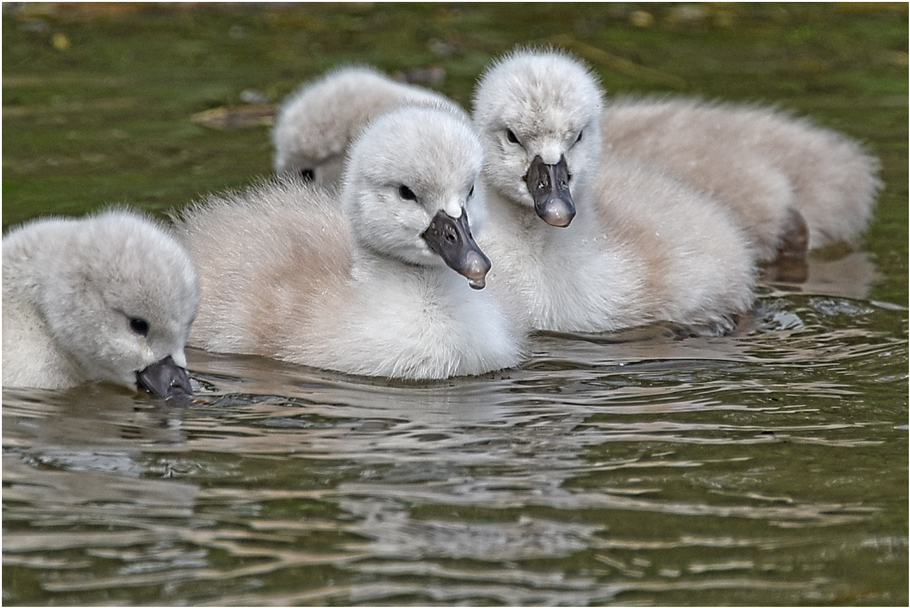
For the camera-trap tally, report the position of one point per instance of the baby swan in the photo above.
(316, 124)
(109, 297)
(362, 286)
(795, 185)
(620, 244)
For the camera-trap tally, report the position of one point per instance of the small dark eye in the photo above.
(471, 193)
(139, 326)
(307, 175)
(511, 136)
(406, 193)
(578, 139)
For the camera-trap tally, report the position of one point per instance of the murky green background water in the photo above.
(764, 468)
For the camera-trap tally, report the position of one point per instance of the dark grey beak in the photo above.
(549, 187)
(451, 239)
(164, 379)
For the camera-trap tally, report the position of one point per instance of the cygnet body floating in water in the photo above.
(317, 123)
(360, 280)
(585, 243)
(109, 297)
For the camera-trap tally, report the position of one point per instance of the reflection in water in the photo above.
(638, 467)
(849, 276)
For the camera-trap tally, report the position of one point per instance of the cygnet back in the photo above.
(760, 161)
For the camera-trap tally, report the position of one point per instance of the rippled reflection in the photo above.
(767, 467)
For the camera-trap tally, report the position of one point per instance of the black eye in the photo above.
(471, 193)
(140, 326)
(406, 193)
(578, 139)
(307, 175)
(511, 136)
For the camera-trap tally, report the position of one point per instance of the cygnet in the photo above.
(358, 280)
(317, 123)
(583, 243)
(109, 297)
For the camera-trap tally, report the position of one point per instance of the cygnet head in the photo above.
(538, 113)
(409, 190)
(317, 123)
(119, 295)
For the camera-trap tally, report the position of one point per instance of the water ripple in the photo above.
(631, 468)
